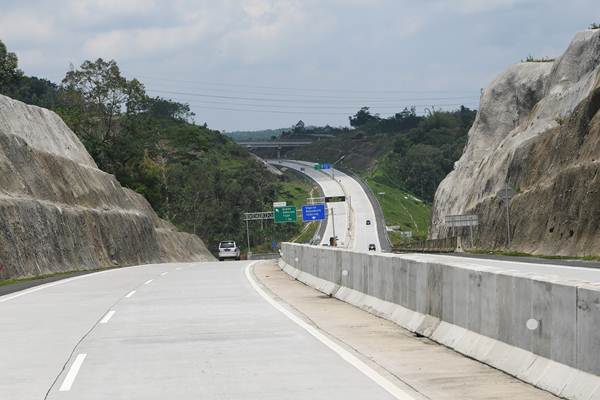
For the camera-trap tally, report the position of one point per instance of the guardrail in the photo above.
(541, 329)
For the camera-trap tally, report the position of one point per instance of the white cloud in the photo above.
(104, 10)
(26, 28)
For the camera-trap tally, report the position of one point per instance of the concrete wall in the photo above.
(479, 312)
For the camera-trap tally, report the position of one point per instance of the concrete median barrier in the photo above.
(543, 331)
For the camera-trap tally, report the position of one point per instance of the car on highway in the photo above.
(368, 222)
(372, 247)
(228, 249)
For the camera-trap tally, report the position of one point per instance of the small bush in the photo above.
(595, 26)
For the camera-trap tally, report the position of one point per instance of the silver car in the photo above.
(228, 249)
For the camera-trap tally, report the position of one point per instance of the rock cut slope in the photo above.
(59, 212)
(537, 130)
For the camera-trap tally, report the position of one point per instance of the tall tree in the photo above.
(99, 94)
(9, 63)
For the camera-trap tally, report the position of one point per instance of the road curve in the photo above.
(167, 331)
(356, 211)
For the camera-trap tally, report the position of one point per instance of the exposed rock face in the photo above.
(538, 130)
(59, 212)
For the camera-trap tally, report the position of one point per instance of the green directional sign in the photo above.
(317, 167)
(285, 214)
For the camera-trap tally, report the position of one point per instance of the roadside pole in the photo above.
(333, 226)
(508, 221)
(506, 194)
(248, 236)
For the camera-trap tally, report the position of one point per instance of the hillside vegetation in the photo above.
(193, 176)
(405, 156)
(412, 153)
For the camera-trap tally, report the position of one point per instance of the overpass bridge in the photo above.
(274, 144)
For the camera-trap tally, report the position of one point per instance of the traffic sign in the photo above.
(285, 214)
(315, 212)
(325, 166)
(317, 167)
(279, 204)
(335, 199)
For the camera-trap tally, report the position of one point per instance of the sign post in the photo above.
(335, 199)
(285, 214)
(505, 195)
(458, 221)
(314, 212)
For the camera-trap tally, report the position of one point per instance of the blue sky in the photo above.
(253, 64)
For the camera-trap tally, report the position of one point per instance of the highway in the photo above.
(361, 234)
(356, 234)
(169, 331)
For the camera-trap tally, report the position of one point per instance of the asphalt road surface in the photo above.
(169, 331)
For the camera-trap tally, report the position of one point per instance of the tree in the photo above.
(101, 95)
(299, 127)
(8, 66)
(363, 117)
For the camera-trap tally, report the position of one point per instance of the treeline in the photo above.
(191, 175)
(409, 151)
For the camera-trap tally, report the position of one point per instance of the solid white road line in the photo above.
(128, 295)
(148, 281)
(343, 353)
(178, 269)
(70, 378)
(164, 273)
(107, 317)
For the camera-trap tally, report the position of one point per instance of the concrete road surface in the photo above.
(357, 210)
(423, 368)
(329, 187)
(170, 331)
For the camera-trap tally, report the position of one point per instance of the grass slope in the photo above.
(400, 208)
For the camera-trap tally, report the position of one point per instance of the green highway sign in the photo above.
(317, 167)
(285, 214)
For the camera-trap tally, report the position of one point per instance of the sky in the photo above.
(258, 64)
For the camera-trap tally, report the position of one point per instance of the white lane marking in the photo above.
(73, 371)
(164, 273)
(343, 353)
(107, 317)
(148, 281)
(51, 284)
(128, 295)
(178, 269)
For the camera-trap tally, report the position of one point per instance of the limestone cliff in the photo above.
(59, 212)
(538, 130)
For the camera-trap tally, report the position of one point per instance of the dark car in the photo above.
(368, 222)
(372, 247)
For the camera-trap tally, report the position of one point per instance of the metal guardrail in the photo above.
(445, 245)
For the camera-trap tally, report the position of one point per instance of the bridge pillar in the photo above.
(278, 152)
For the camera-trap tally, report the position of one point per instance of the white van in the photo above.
(228, 249)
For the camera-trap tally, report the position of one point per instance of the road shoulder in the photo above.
(431, 370)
